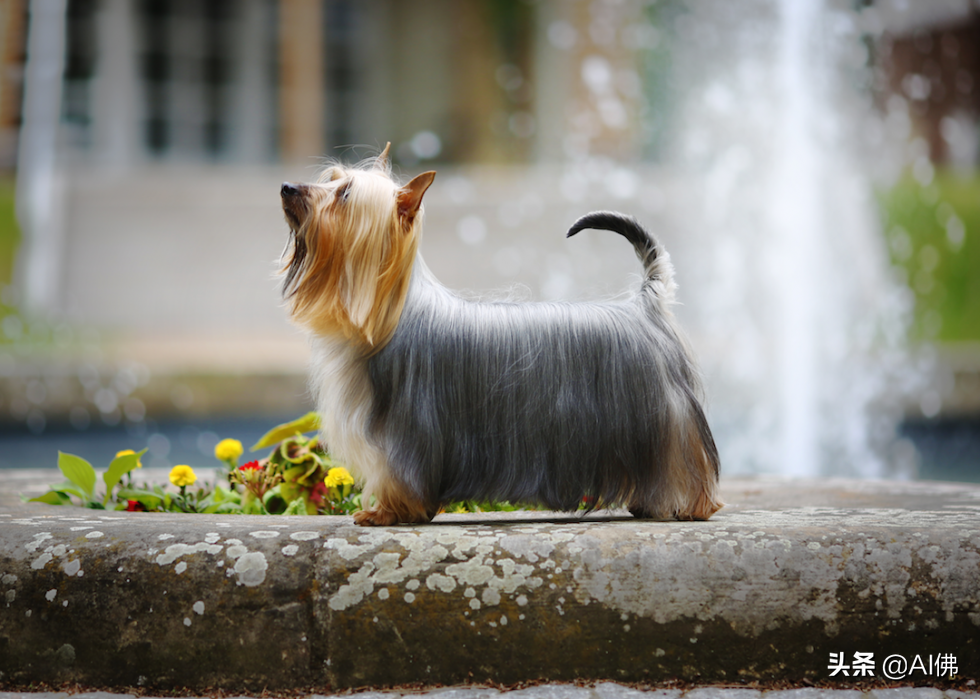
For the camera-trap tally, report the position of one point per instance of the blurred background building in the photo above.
(812, 166)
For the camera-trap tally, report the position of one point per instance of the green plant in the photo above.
(933, 235)
(9, 230)
(298, 477)
(80, 480)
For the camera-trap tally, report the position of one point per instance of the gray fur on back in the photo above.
(535, 402)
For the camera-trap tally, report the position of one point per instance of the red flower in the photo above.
(250, 466)
(318, 492)
(134, 506)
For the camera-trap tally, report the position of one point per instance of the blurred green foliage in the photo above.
(933, 235)
(9, 232)
(660, 90)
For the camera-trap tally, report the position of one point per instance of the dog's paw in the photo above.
(701, 509)
(642, 512)
(375, 518)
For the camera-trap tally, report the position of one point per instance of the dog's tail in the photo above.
(653, 256)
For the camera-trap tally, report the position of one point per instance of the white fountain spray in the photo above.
(797, 219)
(785, 282)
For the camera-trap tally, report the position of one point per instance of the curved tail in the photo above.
(655, 260)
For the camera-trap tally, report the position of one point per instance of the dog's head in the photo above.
(354, 237)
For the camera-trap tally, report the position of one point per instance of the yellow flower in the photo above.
(228, 450)
(182, 475)
(338, 476)
(126, 452)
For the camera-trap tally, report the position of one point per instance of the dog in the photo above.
(430, 398)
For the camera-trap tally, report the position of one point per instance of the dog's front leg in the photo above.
(394, 506)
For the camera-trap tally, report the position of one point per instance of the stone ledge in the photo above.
(788, 573)
(600, 690)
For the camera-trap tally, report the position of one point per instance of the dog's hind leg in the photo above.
(695, 500)
(688, 489)
(701, 496)
(703, 504)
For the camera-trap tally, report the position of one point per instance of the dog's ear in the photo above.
(383, 161)
(410, 197)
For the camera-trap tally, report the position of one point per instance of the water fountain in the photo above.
(800, 322)
(765, 198)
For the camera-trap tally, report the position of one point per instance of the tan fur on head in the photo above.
(355, 238)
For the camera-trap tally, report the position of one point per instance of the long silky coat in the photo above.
(431, 398)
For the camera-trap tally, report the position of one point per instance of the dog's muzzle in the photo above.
(294, 202)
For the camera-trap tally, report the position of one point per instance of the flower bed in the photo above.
(297, 477)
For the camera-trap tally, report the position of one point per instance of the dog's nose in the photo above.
(289, 190)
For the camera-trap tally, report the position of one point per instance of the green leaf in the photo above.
(310, 505)
(52, 497)
(119, 467)
(71, 489)
(222, 494)
(149, 499)
(293, 474)
(302, 455)
(308, 423)
(253, 507)
(228, 508)
(296, 507)
(289, 491)
(78, 471)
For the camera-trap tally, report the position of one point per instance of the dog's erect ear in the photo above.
(382, 162)
(410, 197)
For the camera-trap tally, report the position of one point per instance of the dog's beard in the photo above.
(297, 250)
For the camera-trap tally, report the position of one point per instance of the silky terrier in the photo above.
(430, 398)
